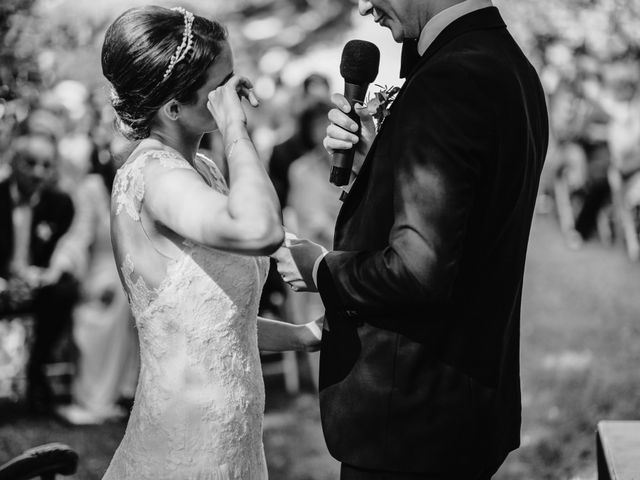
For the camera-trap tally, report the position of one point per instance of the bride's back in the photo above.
(135, 233)
(152, 258)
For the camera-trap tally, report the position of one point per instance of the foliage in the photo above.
(16, 63)
(604, 28)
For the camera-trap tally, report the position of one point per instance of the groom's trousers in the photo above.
(348, 472)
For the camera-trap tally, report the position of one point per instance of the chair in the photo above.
(44, 462)
(273, 305)
(624, 211)
(617, 446)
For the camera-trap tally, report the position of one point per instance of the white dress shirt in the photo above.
(22, 218)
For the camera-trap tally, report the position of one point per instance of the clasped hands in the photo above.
(296, 259)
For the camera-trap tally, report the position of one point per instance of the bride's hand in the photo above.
(224, 102)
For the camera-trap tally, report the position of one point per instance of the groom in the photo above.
(420, 354)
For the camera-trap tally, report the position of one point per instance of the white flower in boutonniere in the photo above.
(44, 231)
(380, 102)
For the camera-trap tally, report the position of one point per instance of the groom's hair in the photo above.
(136, 53)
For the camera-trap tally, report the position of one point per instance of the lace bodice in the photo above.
(200, 399)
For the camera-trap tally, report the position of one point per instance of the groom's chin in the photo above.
(397, 34)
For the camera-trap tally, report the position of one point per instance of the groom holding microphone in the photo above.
(419, 367)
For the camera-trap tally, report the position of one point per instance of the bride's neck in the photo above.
(187, 146)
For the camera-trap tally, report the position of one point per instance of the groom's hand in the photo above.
(342, 132)
(296, 261)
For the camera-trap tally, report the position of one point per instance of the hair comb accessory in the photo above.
(187, 41)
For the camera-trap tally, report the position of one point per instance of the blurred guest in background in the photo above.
(593, 122)
(580, 122)
(624, 110)
(312, 210)
(313, 202)
(315, 87)
(33, 217)
(102, 327)
(622, 102)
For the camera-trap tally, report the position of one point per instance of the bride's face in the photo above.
(196, 115)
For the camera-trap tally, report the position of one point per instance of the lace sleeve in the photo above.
(128, 187)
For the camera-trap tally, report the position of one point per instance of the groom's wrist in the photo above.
(316, 265)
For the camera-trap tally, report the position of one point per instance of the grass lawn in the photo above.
(580, 357)
(580, 354)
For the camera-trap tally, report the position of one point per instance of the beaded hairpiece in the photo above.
(187, 41)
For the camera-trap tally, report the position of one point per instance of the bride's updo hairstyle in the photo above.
(138, 58)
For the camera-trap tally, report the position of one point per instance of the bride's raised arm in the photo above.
(246, 221)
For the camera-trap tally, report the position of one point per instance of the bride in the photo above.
(191, 252)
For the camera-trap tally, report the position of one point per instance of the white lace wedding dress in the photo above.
(199, 404)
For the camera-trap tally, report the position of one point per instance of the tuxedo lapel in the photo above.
(350, 197)
(366, 164)
(363, 176)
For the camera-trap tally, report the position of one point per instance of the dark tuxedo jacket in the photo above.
(419, 369)
(51, 219)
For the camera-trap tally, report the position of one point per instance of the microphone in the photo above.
(359, 67)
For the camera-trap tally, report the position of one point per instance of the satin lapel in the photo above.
(360, 181)
(366, 165)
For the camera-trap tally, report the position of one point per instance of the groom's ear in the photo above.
(172, 110)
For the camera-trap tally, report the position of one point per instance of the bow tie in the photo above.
(410, 56)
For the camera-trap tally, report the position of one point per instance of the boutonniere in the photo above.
(380, 102)
(44, 231)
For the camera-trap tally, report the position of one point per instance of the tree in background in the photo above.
(18, 66)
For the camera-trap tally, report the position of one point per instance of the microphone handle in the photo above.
(343, 159)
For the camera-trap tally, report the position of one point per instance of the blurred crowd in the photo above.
(59, 289)
(594, 160)
(68, 344)
(63, 313)
(588, 57)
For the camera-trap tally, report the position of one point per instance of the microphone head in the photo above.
(360, 62)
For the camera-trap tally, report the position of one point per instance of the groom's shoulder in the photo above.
(471, 58)
(463, 67)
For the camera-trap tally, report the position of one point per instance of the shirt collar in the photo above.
(443, 19)
(19, 199)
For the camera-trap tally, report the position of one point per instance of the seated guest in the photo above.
(33, 217)
(314, 201)
(312, 210)
(315, 89)
(103, 329)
